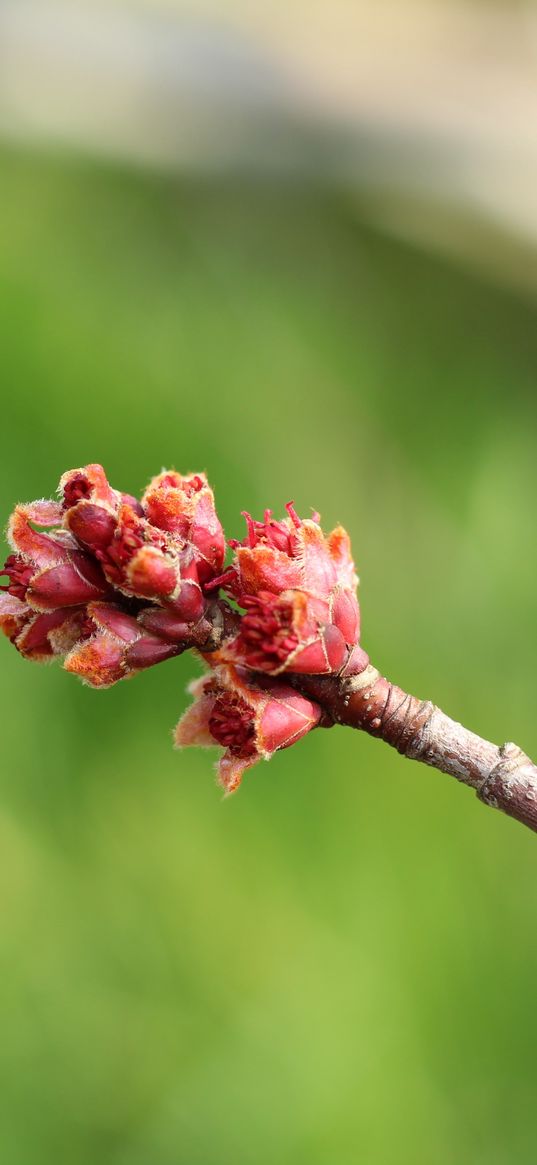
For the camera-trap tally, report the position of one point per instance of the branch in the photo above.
(118, 584)
(503, 777)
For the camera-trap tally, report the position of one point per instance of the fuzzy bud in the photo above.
(281, 633)
(49, 571)
(117, 647)
(250, 721)
(184, 507)
(298, 589)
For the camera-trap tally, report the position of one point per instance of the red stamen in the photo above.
(170, 480)
(274, 534)
(267, 637)
(187, 485)
(192, 485)
(20, 575)
(129, 537)
(251, 527)
(231, 724)
(87, 627)
(293, 515)
(77, 488)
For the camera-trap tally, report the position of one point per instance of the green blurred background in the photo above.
(338, 964)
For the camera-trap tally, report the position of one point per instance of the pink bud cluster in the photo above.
(112, 585)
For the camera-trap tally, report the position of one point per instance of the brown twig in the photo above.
(105, 590)
(503, 777)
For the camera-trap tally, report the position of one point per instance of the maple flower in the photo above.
(112, 585)
(116, 646)
(298, 590)
(164, 548)
(50, 579)
(184, 506)
(249, 720)
(41, 636)
(48, 571)
(102, 586)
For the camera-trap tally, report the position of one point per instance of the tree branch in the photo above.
(503, 777)
(118, 584)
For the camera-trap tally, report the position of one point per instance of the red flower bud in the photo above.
(87, 484)
(102, 542)
(117, 648)
(158, 556)
(138, 559)
(157, 560)
(40, 636)
(90, 505)
(99, 661)
(152, 573)
(19, 573)
(14, 615)
(293, 554)
(298, 588)
(93, 526)
(76, 580)
(169, 625)
(49, 571)
(53, 633)
(184, 507)
(146, 562)
(251, 721)
(280, 633)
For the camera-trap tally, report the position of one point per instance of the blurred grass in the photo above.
(338, 964)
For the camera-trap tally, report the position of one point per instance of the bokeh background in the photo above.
(295, 247)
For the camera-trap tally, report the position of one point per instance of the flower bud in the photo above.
(41, 636)
(76, 580)
(49, 571)
(40, 549)
(52, 633)
(19, 574)
(138, 559)
(298, 588)
(250, 721)
(101, 545)
(118, 646)
(293, 554)
(281, 633)
(169, 625)
(90, 506)
(184, 507)
(14, 614)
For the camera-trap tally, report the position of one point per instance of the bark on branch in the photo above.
(503, 777)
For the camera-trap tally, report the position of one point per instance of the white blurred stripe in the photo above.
(433, 99)
(131, 81)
